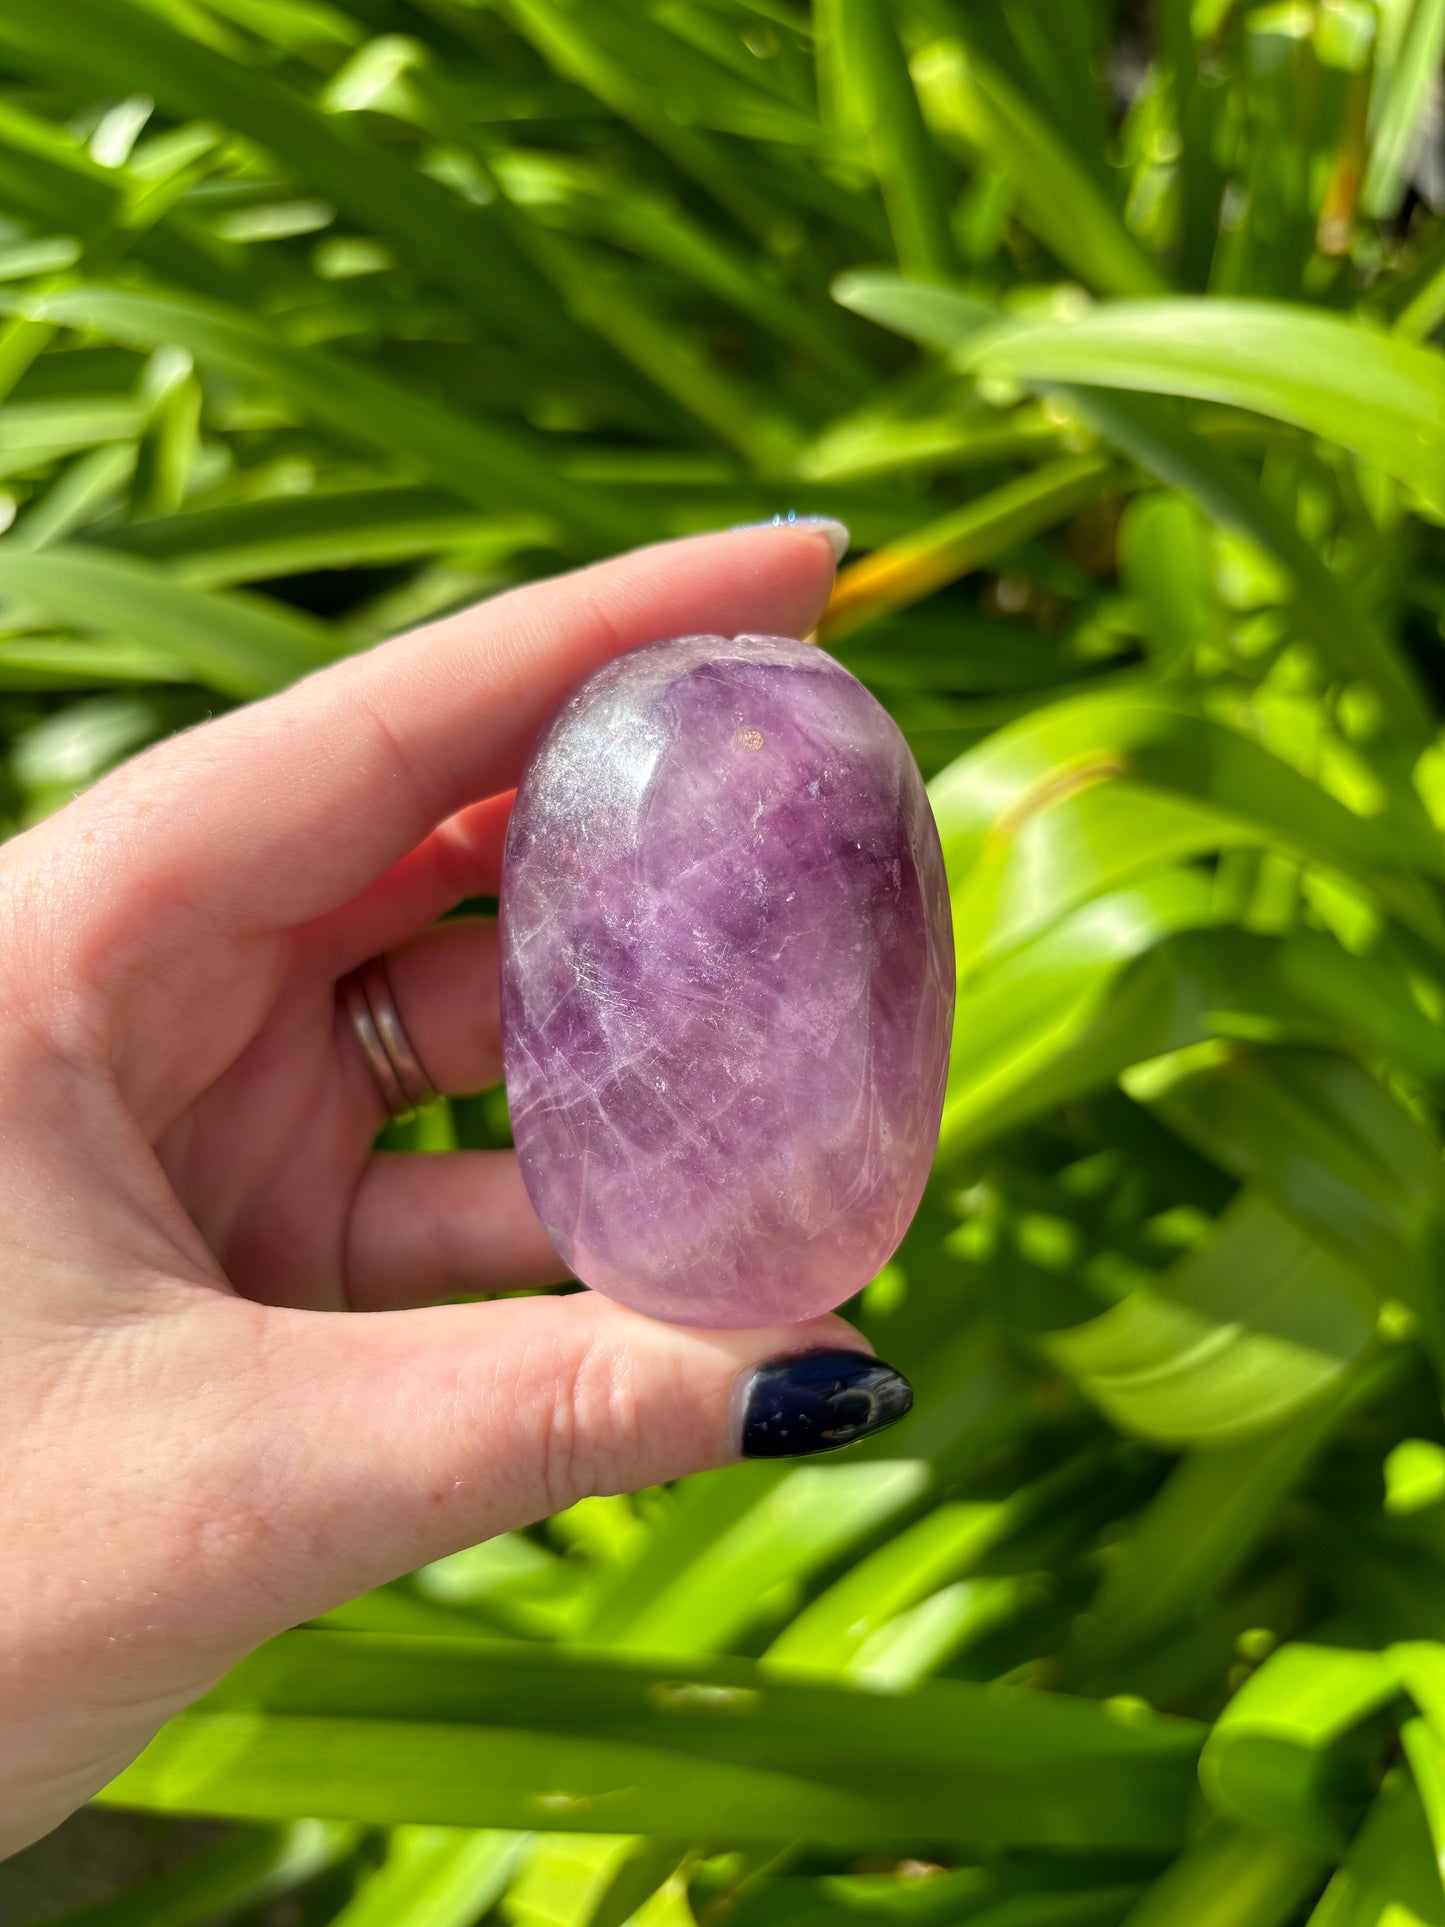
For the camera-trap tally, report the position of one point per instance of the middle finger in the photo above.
(444, 984)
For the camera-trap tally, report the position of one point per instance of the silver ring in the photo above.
(400, 1075)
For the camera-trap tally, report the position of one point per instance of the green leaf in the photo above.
(584, 55)
(1323, 1140)
(1408, 66)
(477, 461)
(1420, 303)
(1232, 1877)
(337, 528)
(251, 1866)
(881, 443)
(1197, 112)
(45, 427)
(966, 99)
(946, 1545)
(1139, 974)
(239, 644)
(938, 317)
(1064, 1013)
(904, 159)
(1204, 1521)
(1390, 1877)
(659, 229)
(1277, 1758)
(1046, 814)
(85, 489)
(1235, 1338)
(61, 662)
(1166, 567)
(1373, 393)
(1052, 1891)
(1325, 607)
(123, 46)
(603, 297)
(462, 1733)
(960, 542)
(436, 1877)
(736, 1545)
(590, 1880)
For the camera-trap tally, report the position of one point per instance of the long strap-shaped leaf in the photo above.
(1204, 1521)
(965, 539)
(887, 110)
(569, 39)
(1400, 97)
(966, 98)
(1032, 785)
(238, 643)
(124, 47)
(1371, 392)
(248, 1867)
(1232, 1875)
(475, 460)
(465, 1733)
(1278, 1755)
(1148, 430)
(1232, 1342)
(436, 1877)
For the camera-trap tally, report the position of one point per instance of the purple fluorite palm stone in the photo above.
(727, 981)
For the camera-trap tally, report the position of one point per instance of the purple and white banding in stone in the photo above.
(727, 981)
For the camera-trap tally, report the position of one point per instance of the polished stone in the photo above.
(727, 981)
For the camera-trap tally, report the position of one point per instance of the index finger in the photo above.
(280, 812)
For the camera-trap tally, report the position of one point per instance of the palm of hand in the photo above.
(272, 1160)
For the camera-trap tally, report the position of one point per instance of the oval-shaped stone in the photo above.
(727, 981)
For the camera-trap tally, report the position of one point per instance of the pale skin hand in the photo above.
(200, 1450)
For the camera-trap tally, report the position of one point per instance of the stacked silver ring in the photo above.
(367, 999)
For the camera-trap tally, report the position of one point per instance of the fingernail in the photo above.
(817, 1401)
(829, 525)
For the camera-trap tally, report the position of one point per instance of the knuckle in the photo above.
(591, 1427)
(42, 996)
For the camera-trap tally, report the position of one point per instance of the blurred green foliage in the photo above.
(1113, 331)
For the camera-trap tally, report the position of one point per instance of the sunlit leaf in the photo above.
(239, 644)
(1373, 393)
(440, 1731)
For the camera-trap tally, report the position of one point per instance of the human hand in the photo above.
(199, 1452)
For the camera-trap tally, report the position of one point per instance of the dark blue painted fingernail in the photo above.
(816, 1401)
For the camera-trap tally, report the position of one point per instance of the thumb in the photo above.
(384, 1441)
(243, 1467)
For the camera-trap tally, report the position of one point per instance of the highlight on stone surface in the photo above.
(727, 981)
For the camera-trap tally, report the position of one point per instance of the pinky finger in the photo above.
(425, 1226)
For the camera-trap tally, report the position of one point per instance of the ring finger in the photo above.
(444, 984)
